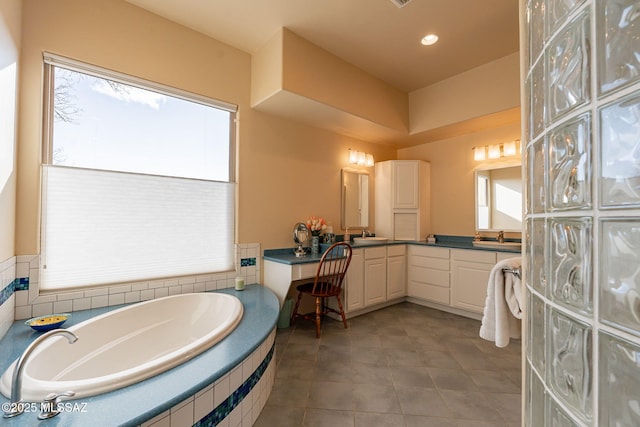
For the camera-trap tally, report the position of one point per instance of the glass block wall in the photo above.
(581, 110)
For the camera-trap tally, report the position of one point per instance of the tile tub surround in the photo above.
(193, 389)
(29, 303)
(7, 294)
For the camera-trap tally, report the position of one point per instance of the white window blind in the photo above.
(105, 227)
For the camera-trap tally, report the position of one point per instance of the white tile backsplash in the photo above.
(7, 313)
(81, 304)
(63, 306)
(31, 303)
(131, 297)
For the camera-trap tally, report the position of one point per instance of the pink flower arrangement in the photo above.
(316, 225)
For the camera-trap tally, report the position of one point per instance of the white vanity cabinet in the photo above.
(469, 278)
(428, 273)
(402, 199)
(453, 280)
(396, 272)
(375, 275)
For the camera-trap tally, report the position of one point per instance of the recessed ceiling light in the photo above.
(429, 39)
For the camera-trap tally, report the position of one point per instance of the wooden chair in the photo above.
(327, 283)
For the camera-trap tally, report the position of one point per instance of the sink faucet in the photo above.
(364, 232)
(501, 237)
(16, 408)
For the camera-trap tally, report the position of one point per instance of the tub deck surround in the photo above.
(140, 402)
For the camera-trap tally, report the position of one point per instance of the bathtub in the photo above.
(127, 345)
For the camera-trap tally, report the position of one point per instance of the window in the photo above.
(137, 180)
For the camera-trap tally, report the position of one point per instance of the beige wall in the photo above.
(287, 171)
(452, 176)
(490, 88)
(294, 78)
(10, 27)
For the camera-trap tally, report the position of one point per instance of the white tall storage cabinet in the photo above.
(402, 199)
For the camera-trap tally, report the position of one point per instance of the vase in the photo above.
(315, 244)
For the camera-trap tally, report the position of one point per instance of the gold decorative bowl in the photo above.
(48, 322)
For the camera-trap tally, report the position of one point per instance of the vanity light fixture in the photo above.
(360, 158)
(496, 151)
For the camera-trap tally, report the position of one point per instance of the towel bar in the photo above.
(515, 271)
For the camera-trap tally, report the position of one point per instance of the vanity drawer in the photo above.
(429, 276)
(377, 252)
(396, 250)
(434, 263)
(429, 251)
(303, 271)
(473, 256)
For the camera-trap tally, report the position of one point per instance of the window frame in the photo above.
(50, 62)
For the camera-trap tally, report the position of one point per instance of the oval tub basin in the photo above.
(127, 345)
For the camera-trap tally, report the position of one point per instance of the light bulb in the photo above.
(369, 160)
(479, 153)
(494, 151)
(509, 148)
(429, 39)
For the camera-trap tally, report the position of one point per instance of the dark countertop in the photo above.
(287, 256)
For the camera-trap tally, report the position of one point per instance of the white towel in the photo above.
(503, 306)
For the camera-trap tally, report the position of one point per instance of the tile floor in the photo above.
(404, 365)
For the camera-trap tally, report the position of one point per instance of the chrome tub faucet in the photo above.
(16, 407)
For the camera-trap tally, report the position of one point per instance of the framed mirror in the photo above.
(355, 199)
(499, 199)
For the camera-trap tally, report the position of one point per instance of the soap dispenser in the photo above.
(347, 236)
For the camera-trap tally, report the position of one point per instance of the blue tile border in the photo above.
(21, 284)
(6, 293)
(247, 262)
(223, 410)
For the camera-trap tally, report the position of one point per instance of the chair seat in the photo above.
(307, 288)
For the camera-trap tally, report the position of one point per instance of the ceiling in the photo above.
(374, 35)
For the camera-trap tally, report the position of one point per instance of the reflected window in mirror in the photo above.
(355, 199)
(499, 199)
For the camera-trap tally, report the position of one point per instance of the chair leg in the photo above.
(294, 313)
(344, 319)
(319, 302)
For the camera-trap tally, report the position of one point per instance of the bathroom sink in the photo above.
(497, 245)
(369, 240)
